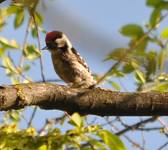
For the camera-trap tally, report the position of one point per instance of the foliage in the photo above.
(79, 137)
(147, 65)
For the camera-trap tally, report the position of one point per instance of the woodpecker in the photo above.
(67, 62)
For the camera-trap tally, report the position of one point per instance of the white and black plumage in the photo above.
(68, 64)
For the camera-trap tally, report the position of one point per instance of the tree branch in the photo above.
(95, 101)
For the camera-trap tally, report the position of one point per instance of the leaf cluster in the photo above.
(79, 137)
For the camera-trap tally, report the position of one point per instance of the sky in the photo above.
(93, 27)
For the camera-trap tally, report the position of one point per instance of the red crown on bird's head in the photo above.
(51, 36)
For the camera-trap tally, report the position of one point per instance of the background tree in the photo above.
(146, 65)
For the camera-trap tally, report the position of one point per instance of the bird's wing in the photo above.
(80, 59)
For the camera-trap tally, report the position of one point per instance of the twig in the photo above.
(163, 146)
(50, 122)
(31, 117)
(129, 139)
(136, 125)
(162, 122)
(38, 37)
(150, 129)
(142, 135)
(22, 58)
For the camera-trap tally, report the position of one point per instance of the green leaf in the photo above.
(161, 59)
(140, 76)
(2, 50)
(15, 80)
(14, 115)
(132, 30)
(3, 17)
(43, 147)
(163, 5)
(34, 32)
(141, 45)
(112, 141)
(117, 54)
(128, 68)
(162, 87)
(38, 18)
(9, 44)
(151, 57)
(31, 52)
(132, 65)
(96, 144)
(76, 120)
(164, 33)
(153, 3)
(155, 17)
(26, 67)
(13, 9)
(115, 72)
(115, 85)
(19, 18)
(7, 62)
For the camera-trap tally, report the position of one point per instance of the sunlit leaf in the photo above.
(34, 32)
(10, 69)
(115, 85)
(15, 80)
(162, 87)
(96, 144)
(132, 30)
(43, 147)
(19, 18)
(38, 18)
(31, 52)
(26, 67)
(3, 14)
(153, 3)
(151, 62)
(140, 76)
(155, 17)
(2, 50)
(76, 120)
(31, 131)
(112, 141)
(134, 63)
(117, 54)
(134, 42)
(117, 73)
(8, 44)
(14, 115)
(13, 9)
(163, 77)
(128, 68)
(164, 33)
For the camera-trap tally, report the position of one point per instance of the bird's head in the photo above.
(56, 40)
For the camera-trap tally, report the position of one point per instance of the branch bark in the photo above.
(95, 101)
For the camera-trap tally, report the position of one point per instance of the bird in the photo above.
(67, 62)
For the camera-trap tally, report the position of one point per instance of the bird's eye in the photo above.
(51, 45)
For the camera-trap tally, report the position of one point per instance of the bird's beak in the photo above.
(44, 48)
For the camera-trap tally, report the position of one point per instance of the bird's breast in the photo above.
(63, 66)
